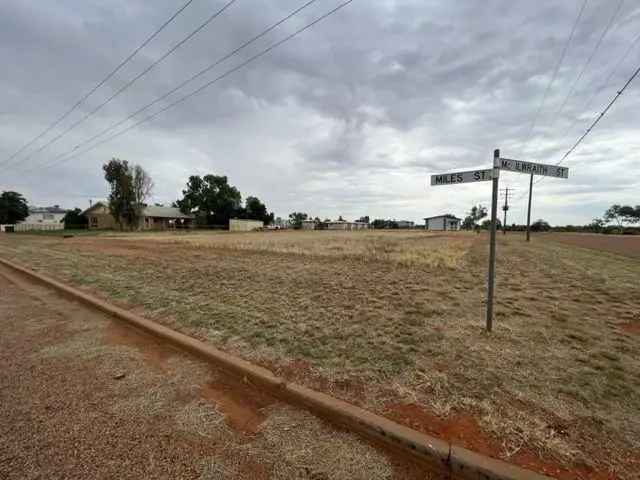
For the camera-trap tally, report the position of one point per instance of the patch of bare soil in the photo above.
(464, 430)
(84, 397)
(627, 245)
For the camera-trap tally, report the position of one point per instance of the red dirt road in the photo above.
(83, 396)
(627, 245)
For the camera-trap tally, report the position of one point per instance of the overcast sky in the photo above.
(349, 118)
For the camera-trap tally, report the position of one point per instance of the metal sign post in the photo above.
(529, 209)
(492, 239)
(483, 175)
(493, 174)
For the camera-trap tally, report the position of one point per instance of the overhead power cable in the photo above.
(554, 75)
(211, 82)
(187, 81)
(587, 104)
(596, 121)
(589, 59)
(133, 80)
(98, 85)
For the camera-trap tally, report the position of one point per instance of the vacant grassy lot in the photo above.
(394, 321)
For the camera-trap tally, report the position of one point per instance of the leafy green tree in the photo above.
(211, 198)
(296, 219)
(13, 207)
(75, 219)
(130, 186)
(364, 219)
(256, 210)
(597, 225)
(540, 226)
(477, 213)
(613, 214)
(487, 223)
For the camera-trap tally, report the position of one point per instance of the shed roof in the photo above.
(446, 215)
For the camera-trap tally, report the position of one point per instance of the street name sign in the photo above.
(534, 168)
(462, 177)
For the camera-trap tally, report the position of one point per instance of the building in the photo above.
(345, 225)
(405, 224)
(308, 224)
(153, 218)
(242, 225)
(43, 218)
(442, 222)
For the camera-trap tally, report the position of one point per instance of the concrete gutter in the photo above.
(438, 457)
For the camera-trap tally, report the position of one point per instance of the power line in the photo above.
(211, 82)
(555, 74)
(98, 85)
(133, 80)
(596, 121)
(187, 81)
(589, 59)
(603, 86)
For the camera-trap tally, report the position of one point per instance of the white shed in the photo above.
(442, 222)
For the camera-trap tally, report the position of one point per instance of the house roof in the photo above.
(149, 211)
(446, 215)
(164, 212)
(54, 209)
(95, 205)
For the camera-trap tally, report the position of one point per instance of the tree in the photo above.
(477, 213)
(613, 214)
(487, 223)
(364, 219)
(628, 214)
(75, 219)
(130, 187)
(540, 226)
(118, 176)
(141, 185)
(597, 225)
(211, 198)
(254, 209)
(13, 207)
(296, 219)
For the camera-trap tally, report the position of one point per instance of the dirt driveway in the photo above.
(82, 396)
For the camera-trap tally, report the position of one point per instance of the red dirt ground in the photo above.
(464, 430)
(627, 245)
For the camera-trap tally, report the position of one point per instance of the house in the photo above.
(405, 224)
(43, 218)
(442, 222)
(242, 225)
(345, 225)
(308, 224)
(153, 218)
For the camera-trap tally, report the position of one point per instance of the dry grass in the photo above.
(380, 317)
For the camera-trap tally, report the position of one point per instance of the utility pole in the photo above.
(505, 208)
(529, 209)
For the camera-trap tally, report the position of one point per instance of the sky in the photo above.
(350, 117)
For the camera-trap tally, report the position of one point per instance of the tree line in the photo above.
(618, 215)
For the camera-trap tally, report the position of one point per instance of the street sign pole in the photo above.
(492, 240)
(529, 209)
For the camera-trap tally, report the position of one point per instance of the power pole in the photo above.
(505, 208)
(529, 209)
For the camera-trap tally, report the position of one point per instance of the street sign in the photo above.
(462, 177)
(533, 168)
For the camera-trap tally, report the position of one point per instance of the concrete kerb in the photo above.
(437, 455)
